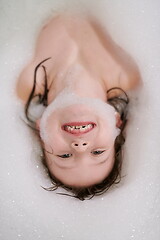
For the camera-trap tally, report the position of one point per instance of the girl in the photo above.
(81, 77)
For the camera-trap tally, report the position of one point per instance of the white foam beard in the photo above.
(67, 98)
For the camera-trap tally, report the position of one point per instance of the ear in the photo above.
(38, 124)
(118, 120)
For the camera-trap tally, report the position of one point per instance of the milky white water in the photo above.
(130, 211)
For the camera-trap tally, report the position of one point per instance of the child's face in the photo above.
(84, 156)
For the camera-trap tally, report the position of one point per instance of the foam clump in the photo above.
(67, 98)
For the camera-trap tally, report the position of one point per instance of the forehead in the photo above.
(82, 174)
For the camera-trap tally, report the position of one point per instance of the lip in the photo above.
(78, 124)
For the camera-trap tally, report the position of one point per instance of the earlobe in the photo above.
(38, 124)
(118, 120)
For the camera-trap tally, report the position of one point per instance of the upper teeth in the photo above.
(81, 128)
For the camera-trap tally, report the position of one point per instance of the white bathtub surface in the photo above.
(132, 210)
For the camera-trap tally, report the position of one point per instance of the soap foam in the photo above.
(130, 211)
(67, 98)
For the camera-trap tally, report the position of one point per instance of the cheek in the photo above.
(55, 142)
(110, 131)
(109, 125)
(51, 132)
(107, 138)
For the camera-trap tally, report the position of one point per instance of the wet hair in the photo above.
(119, 102)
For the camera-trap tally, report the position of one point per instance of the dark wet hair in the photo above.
(120, 104)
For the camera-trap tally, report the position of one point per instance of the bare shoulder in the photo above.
(26, 79)
(24, 83)
(52, 40)
(120, 69)
(129, 76)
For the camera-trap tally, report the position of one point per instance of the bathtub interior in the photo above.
(132, 209)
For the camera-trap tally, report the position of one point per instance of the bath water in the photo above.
(131, 210)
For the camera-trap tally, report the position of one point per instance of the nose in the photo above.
(80, 145)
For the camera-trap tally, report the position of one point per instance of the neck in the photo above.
(80, 81)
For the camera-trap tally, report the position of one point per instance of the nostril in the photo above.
(76, 144)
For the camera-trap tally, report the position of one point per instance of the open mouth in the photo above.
(78, 127)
